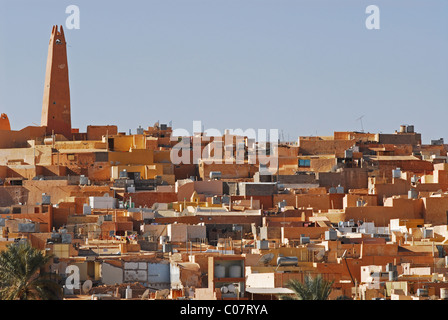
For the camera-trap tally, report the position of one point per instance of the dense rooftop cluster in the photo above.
(366, 211)
(159, 215)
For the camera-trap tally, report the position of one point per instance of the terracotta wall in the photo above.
(10, 195)
(316, 147)
(228, 171)
(96, 132)
(435, 210)
(148, 198)
(294, 233)
(378, 214)
(18, 139)
(316, 201)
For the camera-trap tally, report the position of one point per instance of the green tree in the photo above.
(312, 288)
(20, 276)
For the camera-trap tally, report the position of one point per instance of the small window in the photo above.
(304, 163)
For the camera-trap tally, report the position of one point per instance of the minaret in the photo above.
(56, 102)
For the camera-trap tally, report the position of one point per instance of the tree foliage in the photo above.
(20, 276)
(312, 288)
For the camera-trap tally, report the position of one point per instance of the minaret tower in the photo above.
(56, 102)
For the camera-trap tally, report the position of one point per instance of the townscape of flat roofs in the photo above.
(366, 211)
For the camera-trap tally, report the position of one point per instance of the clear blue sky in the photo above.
(305, 67)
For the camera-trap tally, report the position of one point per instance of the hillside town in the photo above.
(151, 214)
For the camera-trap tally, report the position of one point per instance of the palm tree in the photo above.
(20, 276)
(312, 288)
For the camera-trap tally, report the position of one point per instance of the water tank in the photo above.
(123, 174)
(55, 235)
(393, 275)
(422, 292)
(167, 247)
(304, 240)
(396, 173)
(128, 292)
(390, 267)
(215, 175)
(235, 272)
(413, 193)
(46, 199)
(332, 190)
(86, 209)
(410, 129)
(48, 141)
(225, 199)
(262, 244)
(444, 293)
(83, 180)
(402, 128)
(331, 235)
(163, 239)
(220, 271)
(231, 288)
(224, 289)
(348, 153)
(287, 261)
(437, 142)
(427, 233)
(66, 238)
(139, 130)
(131, 189)
(339, 189)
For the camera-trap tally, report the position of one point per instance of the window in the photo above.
(304, 163)
(16, 210)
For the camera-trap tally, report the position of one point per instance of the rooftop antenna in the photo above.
(360, 119)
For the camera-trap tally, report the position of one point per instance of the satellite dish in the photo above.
(176, 257)
(87, 286)
(320, 254)
(162, 294)
(266, 258)
(145, 294)
(231, 288)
